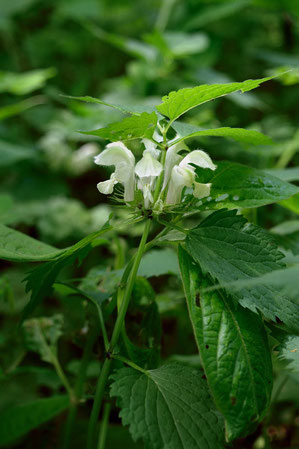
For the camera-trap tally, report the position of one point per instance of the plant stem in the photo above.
(68, 432)
(160, 179)
(164, 14)
(92, 426)
(64, 380)
(104, 426)
(128, 362)
(288, 153)
(172, 225)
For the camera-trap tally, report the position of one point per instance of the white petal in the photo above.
(151, 147)
(197, 157)
(121, 157)
(106, 187)
(129, 186)
(201, 190)
(148, 167)
(172, 158)
(180, 178)
(147, 195)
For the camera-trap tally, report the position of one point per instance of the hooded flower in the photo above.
(147, 170)
(172, 159)
(183, 175)
(122, 158)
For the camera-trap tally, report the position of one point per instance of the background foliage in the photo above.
(128, 52)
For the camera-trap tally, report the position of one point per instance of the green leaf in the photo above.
(126, 109)
(26, 82)
(11, 154)
(168, 407)
(292, 203)
(40, 280)
(230, 249)
(21, 248)
(286, 174)
(18, 107)
(18, 420)
(234, 351)
(177, 103)
(158, 262)
(284, 281)
(289, 351)
(41, 335)
(247, 136)
(181, 45)
(134, 127)
(213, 13)
(235, 185)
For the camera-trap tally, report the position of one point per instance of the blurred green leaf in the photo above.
(17, 421)
(292, 203)
(214, 12)
(288, 350)
(21, 106)
(181, 45)
(26, 82)
(12, 153)
(41, 335)
(125, 108)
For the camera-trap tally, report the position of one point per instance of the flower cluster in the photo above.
(174, 174)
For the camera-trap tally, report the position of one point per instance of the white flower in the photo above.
(183, 175)
(122, 158)
(172, 159)
(147, 170)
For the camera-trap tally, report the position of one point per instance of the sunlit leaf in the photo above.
(177, 103)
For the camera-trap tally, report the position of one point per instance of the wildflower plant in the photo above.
(224, 260)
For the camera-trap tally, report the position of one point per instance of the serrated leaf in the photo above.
(134, 127)
(126, 109)
(41, 335)
(168, 407)
(21, 248)
(247, 136)
(284, 281)
(234, 351)
(18, 420)
(235, 185)
(230, 249)
(288, 350)
(158, 262)
(177, 103)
